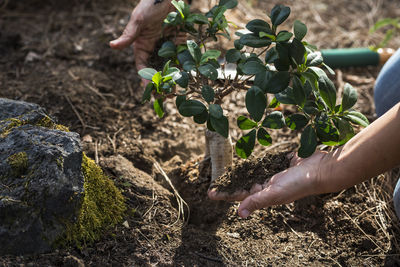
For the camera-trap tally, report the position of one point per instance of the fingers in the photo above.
(213, 194)
(254, 202)
(130, 33)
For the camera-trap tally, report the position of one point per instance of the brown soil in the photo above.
(56, 54)
(247, 173)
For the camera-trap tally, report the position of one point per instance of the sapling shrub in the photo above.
(269, 62)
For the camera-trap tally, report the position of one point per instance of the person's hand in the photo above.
(143, 29)
(300, 180)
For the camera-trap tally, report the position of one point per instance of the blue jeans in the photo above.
(386, 95)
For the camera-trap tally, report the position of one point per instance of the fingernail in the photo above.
(245, 213)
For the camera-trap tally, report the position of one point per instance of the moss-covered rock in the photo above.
(51, 194)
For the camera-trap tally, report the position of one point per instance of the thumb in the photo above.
(254, 202)
(129, 35)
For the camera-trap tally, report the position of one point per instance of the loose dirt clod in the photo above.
(247, 173)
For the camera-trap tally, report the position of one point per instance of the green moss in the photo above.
(46, 122)
(18, 163)
(102, 208)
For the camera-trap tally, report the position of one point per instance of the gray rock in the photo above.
(41, 183)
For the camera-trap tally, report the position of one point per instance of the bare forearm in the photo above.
(371, 152)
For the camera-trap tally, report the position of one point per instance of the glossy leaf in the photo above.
(328, 91)
(221, 125)
(245, 145)
(253, 67)
(257, 25)
(346, 131)
(207, 93)
(194, 50)
(182, 79)
(233, 55)
(286, 96)
(209, 71)
(254, 41)
(245, 123)
(201, 118)
(179, 100)
(229, 4)
(147, 92)
(216, 111)
(238, 45)
(284, 36)
(263, 137)
(209, 54)
(298, 91)
(271, 55)
(278, 82)
(326, 130)
(256, 102)
(197, 18)
(357, 118)
(147, 73)
(297, 51)
(279, 14)
(349, 97)
(314, 59)
(190, 108)
(167, 50)
(300, 30)
(296, 121)
(274, 120)
(158, 107)
(310, 107)
(308, 142)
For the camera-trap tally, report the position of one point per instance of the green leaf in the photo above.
(173, 18)
(209, 126)
(190, 108)
(209, 54)
(279, 14)
(297, 51)
(286, 96)
(209, 71)
(253, 67)
(254, 41)
(384, 22)
(182, 79)
(314, 59)
(220, 125)
(189, 65)
(271, 55)
(245, 145)
(167, 50)
(157, 78)
(170, 72)
(357, 118)
(272, 37)
(257, 25)
(284, 36)
(296, 121)
(263, 137)
(147, 92)
(197, 18)
(256, 103)
(179, 100)
(346, 131)
(274, 103)
(300, 30)
(158, 107)
(310, 107)
(245, 123)
(179, 6)
(274, 120)
(325, 129)
(201, 118)
(147, 73)
(207, 93)
(328, 91)
(308, 142)
(194, 50)
(331, 71)
(317, 71)
(261, 80)
(278, 82)
(349, 97)
(298, 91)
(283, 53)
(311, 79)
(233, 55)
(229, 4)
(216, 111)
(185, 56)
(238, 45)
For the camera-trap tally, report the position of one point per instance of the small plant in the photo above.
(282, 64)
(393, 25)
